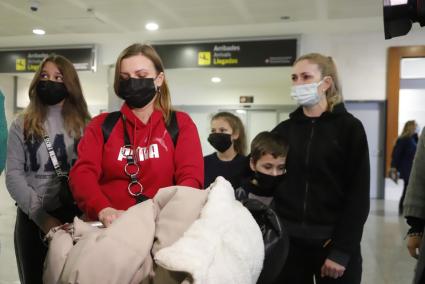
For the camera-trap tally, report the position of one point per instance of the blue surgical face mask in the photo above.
(306, 94)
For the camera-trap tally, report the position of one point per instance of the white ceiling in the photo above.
(117, 23)
(123, 16)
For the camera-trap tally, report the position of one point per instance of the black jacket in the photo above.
(233, 170)
(326, 190)
(403, 154)
(275, 236)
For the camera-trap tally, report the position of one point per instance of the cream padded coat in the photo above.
(195, 236)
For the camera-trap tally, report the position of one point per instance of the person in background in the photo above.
(414, 209)
(58, 109)
(323, 201)
(402, 157)
(228, 138)
(267, 161)
(139, 156)
(3, 134)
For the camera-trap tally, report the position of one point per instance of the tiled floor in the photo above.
(386, 260)
(8, 270)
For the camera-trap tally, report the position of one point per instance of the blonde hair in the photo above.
(74, 110)
(163, 99)
(409, 128)
(327, 67)
(237, 127)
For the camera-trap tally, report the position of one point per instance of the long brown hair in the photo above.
(163, 98)
(74, 110)
(237, 127)
(327, 67)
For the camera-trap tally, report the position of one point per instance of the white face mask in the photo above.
(306, 94)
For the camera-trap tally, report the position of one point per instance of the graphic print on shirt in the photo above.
(142, 153)
(161, 140)
(59, 147)
(60, 151)
(32, 146)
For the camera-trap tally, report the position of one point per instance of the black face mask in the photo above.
(220, 141)
(137, 93)
(267, 183)
(50, 92)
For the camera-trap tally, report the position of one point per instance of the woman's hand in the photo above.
(108, 215)
(332, 269)
(50, 222)
(413, 245)
(393, 175)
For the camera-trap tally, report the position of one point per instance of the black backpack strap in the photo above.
(173, 127)
(109, 123)
(112, 118)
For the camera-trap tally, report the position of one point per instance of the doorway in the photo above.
(394, 64)
(372, 116)
(406, 100)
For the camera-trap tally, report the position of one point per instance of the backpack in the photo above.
(275, 237)
(112, 118)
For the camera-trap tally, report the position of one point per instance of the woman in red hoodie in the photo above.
(139, 155)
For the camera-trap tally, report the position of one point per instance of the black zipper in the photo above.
(307, 163)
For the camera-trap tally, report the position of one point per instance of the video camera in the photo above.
(399, 15)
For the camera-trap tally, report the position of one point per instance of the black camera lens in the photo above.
(399, 15)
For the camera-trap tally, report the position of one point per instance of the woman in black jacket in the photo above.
(402, 158)
(324, 199)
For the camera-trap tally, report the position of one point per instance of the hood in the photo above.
(134, 124)
(338, 110)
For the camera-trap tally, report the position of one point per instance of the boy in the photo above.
(267, 161)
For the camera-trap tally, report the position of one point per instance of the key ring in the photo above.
(135, 182)
(131, 164)
(128, 151)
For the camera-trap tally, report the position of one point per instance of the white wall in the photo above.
(23, 90)
(361, 59)
(411, 107)
(95, 89)
(412, 68)
(412, 99)
(194, 86)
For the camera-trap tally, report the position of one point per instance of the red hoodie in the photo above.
(98, 180)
